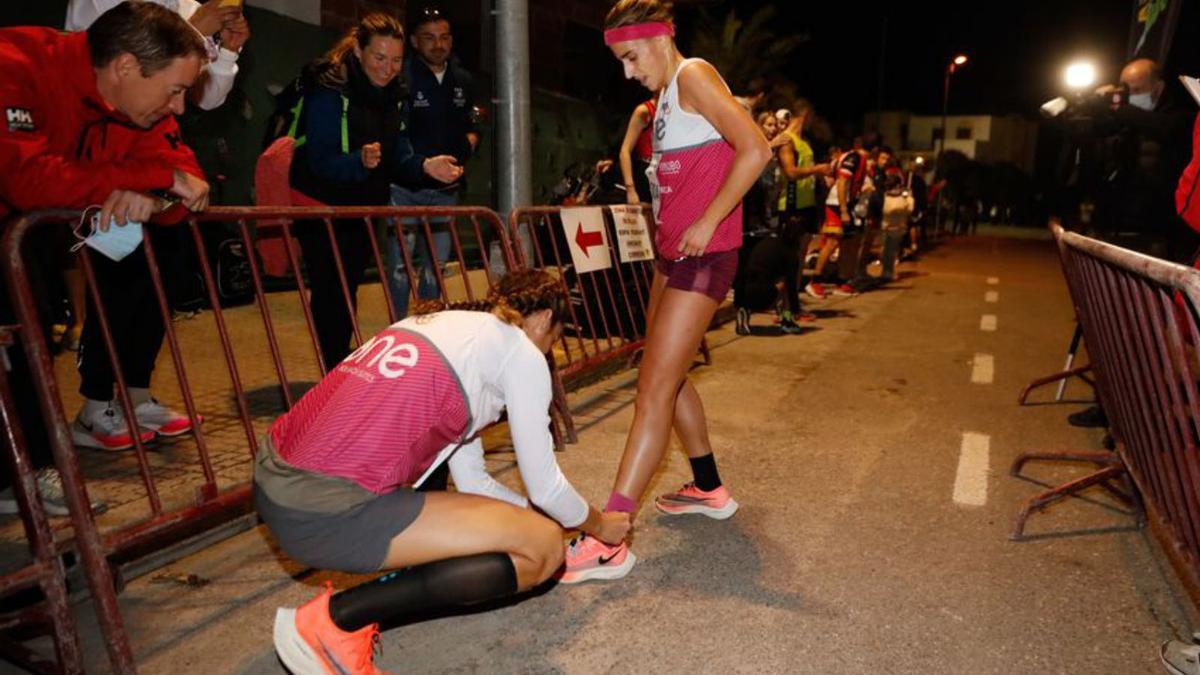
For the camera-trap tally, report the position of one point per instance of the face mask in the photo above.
(117, 243)
(1143, 101)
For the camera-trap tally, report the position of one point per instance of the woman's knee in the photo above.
(540, 551)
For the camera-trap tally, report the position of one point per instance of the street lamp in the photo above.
(957, 62)
(1080, 75)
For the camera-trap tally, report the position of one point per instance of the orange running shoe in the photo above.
(309, 643)
(589, 558)
(690, 499)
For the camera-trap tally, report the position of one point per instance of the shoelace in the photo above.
(369, 648)
(576, 542)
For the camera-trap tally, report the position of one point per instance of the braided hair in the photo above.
(517, 295)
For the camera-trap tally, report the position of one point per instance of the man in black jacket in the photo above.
(1150, 145)
(441, 122)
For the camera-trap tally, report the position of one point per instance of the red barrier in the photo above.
(46, 571)
(197, 481)
(1139, 318)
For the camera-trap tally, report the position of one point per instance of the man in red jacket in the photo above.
(87, 120)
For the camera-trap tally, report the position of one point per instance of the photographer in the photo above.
(1146, 128)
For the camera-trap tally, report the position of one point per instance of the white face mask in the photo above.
(1143, 101)
(117, 243)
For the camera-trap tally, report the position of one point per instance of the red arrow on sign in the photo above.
(585, 240)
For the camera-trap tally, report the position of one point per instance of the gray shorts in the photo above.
(327, 522)
(353, 541)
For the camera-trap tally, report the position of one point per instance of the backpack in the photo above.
(272, 172)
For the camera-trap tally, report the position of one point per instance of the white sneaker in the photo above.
(105, 430)
(50, 487)
(158, 417)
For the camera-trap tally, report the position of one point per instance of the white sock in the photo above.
(139, 395)
(91, 407)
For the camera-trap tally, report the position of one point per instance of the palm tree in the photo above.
(742, 50)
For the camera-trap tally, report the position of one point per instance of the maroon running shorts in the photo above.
(711, 274)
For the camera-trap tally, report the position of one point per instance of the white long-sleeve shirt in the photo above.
(221, 70)
(501, 369)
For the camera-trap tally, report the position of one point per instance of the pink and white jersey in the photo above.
(410, 397)
(690, 164)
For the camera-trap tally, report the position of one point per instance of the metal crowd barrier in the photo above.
(608, 305)
(193, 483)
(46, 571)
(1139, 318)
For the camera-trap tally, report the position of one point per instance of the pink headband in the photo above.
(638, 31)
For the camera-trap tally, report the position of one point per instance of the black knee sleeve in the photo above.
(424, 589)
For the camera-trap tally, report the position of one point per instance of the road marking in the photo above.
(983, 369)
(991, 296)
(987, 323)
(971, 481)
(992, 281)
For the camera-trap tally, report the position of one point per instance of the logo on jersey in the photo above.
(420, 101)
(19, 119)
(391, 360)
(460, 98)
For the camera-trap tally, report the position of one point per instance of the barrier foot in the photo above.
(1113, 469)
(1060, 376)
(704, 352)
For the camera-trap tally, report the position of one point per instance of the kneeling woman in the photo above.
(335, 479)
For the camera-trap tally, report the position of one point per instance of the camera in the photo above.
(1085, 105)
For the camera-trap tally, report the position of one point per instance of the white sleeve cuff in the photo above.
(225, 63)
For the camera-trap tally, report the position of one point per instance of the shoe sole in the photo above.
(83, 439)
(722, 513)
(171, 434)
(292, 650)
(1171, 667)
(602, 573)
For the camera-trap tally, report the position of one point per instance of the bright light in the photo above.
(959, 60)
(1080, 75)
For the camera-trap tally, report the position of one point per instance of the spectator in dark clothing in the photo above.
(1152, 139)
(355, 146)
(761, 269)
(441, 122)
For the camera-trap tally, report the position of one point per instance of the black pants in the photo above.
(332, 319)
(134, 318)
(24, 397)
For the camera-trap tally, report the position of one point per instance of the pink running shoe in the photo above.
(589, 558)
(716, 504)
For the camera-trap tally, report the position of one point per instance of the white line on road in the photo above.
(987, 323)
(983, 369)
(992, 281)
(991, 296)
(971, 481)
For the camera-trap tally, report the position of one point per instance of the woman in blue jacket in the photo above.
(354, 146)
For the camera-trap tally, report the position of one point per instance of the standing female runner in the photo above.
(707, 154)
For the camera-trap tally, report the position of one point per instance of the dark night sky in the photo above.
(1017, 48)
